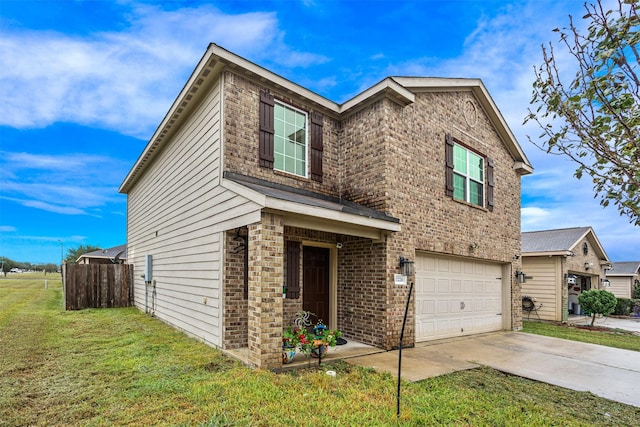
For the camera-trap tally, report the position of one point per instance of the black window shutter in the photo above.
(246, 273)
(490, 184)
(316, 147)
(449, 165)
(266, 129)
(293, 270)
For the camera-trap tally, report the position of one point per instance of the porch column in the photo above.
(266, 277)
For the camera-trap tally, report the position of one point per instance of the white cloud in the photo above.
(125, 80)
(75, 184)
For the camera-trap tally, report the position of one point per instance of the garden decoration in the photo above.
(311, 339)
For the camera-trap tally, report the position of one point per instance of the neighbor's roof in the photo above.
(111, 253)
(559, 242)
(625, 268)
(401, 90)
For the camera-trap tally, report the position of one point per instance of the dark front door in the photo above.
(316, 282)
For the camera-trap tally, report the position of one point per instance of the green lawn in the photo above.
(121, 367)
(613, 337)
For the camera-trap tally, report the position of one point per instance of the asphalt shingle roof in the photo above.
(107, 253)
(626, 268)
(552, 240)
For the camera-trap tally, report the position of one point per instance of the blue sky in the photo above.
(83, 85)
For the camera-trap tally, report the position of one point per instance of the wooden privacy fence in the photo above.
(97, 285)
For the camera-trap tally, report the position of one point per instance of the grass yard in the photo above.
(612, 337)
(121, 367)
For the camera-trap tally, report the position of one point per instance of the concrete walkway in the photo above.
(626, 323)
(604, 371)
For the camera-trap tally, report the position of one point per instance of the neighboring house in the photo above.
(253, 186)
(115, 255)
(560, 265)
(623, 277)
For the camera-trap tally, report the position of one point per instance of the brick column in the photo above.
(266, 276)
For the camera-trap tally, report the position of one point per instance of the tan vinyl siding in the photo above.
(177, 213)
(620, 286)
(544, 286)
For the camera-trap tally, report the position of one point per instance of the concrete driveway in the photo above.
(604, 371)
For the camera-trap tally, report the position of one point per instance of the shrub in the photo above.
(636, 290)
(597, 301)
(623, 306)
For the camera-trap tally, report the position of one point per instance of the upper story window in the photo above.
(469, 176)
(290, 140)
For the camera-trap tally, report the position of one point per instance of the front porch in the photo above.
(340, 352)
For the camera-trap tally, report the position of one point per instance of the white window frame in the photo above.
(307, 144)
(468, 178)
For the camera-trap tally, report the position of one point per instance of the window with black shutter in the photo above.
(290, 139)
(316, 147)
(490, 184)
(449, 165)
(266, 129)
(465, 175)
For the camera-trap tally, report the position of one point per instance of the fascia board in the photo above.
(546, 253)
(599, 247)
(368, 226)
(387, 87)
(329, 214)
(523, 168)
(590, 235)
(321, 224)
(245, 192)
(205, 72)
(250, 69)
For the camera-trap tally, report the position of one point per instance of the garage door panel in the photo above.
(443, 307)
(443, 286)
(466, 296)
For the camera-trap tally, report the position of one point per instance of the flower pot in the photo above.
(288, 353)
(319, 351)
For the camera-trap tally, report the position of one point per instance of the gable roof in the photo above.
(559, 242)
(119, 252)
(625, 268)
(398, 89)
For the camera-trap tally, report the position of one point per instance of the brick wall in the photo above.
(266, 275)
(362, 290)
(241, 127)
(235, 303)
(404, 152)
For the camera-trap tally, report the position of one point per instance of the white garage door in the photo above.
(456, 296)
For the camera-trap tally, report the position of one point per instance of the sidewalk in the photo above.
(626, 323)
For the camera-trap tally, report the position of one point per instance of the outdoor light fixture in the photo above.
(606, 283)
(406, 266)
(521, 277)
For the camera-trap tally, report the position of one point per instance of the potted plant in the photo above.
(292, 339)
(309, 338)
(319, 339)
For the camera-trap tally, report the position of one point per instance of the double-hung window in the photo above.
(468, 176)
(290, 140)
